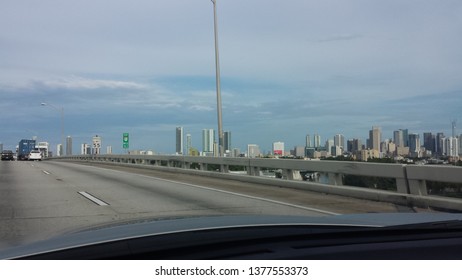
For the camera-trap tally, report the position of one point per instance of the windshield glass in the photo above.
(117, 112)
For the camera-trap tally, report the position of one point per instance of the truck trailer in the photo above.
(25, 147)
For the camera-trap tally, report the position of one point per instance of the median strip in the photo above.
(93, 199)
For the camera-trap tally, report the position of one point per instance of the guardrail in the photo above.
(411, 187)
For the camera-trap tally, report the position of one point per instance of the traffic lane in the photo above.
(321, 201)
(35, 206)
(128, 193)
(45, 200)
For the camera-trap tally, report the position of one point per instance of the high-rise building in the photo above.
(353, 145)
(188, 144)
(278, 148)
(308, 141)
(429, 141)
(452, 147)
(405, 137)
(329, 146)
(59, 150)
(375, 137)
(179, 140)
(227, 141)
(109, 150)
(68, 146)
(439, 143)
(398, 138)
(317, 140)
(253, 150)
(414, 144)
(208, 139)
(339, 140)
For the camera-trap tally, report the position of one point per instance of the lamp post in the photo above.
(61, 110)
(217, 69)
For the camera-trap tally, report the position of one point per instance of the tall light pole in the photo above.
(62, 123)
(217, 69)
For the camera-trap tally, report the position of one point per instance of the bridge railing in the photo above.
(411, 180)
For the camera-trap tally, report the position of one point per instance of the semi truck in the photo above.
(25, 147)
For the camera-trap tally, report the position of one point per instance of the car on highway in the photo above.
(7, 155)
(35, 155)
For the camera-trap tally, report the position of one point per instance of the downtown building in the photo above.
(179, 140)
(208, 142)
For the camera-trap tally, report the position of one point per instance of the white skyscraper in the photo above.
(339, 141)
(317, 140)
(59, 150)
(208, 139)
(308, 141)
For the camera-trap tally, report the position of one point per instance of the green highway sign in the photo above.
(125, 141)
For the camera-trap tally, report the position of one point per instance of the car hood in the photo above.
(155, 227)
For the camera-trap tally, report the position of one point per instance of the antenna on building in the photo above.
(454, 122)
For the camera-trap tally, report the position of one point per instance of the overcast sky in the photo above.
(288, 68)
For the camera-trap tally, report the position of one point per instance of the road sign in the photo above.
(125, 141)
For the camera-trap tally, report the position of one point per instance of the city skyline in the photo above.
(286, 70)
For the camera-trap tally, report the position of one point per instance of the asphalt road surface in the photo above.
(39, 200)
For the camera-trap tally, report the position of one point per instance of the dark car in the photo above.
(7, 155)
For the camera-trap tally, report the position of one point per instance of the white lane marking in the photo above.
(94, 199)
(227, 192)
(46, 172)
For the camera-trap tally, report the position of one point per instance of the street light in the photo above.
(217, 69)
(61, 110)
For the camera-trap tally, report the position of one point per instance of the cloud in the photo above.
(75, 82)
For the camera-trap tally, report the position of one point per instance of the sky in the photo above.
(288, 69)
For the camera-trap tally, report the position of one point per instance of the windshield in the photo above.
(117, 112)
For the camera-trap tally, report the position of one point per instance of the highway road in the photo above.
(39, 200)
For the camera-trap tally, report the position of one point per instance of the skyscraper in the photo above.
(308, 141)
(68, 146)
(353, 145)
(179, 140)
(398, 138)
(439, 143)
(317, 141)
(208, 139)
(452, 146)
(188, 144)
(414, 144)
(227, 141)
(339, 141)
(429, 141)
(375, 137)
(329, 145)
(405, 137)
